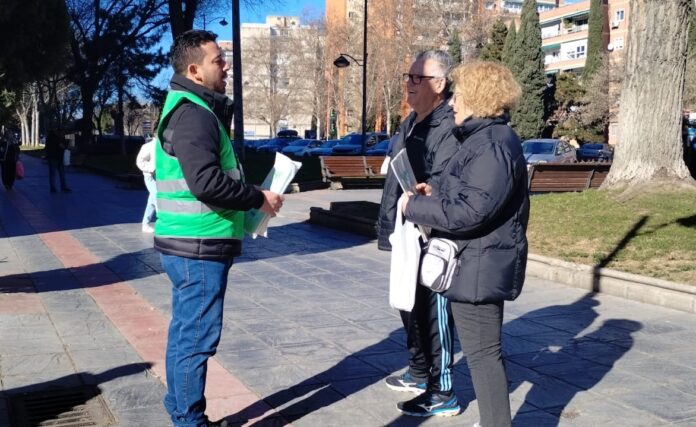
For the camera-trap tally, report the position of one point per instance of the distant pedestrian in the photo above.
(201, 197)
(55, 150)
(9, 154)
(146, 163)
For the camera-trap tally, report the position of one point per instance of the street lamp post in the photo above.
(342, 62)
(222, 22)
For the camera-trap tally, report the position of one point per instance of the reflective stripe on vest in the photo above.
(186, 207)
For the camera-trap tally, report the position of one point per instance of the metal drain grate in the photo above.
(74, 407)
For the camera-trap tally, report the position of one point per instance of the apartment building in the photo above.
(564, 33)
(515, 6)
(276, 63)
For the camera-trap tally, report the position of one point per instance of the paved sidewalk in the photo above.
(309, 336)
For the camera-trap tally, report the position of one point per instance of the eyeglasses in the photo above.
(417, 78)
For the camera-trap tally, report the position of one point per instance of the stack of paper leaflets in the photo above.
(281, 175)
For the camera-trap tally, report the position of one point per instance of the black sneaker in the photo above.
(405, 382)
(431, 404)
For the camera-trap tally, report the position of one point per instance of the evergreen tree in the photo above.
(454, 47)
(493, 50)
(528, 117)
(509, 48)
(595, 42)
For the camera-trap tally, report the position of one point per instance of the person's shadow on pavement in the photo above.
(565, 362)
(350, 375)
(79, 388)
(120, 268)
(544, 348)
(594, 355)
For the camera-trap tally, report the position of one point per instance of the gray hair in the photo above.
(443, 59)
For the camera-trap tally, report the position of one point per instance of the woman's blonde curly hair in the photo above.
(487, 88)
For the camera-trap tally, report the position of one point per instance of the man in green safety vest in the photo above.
(201, 199)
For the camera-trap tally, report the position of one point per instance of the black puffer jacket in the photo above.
(429, 147)
(481, 202)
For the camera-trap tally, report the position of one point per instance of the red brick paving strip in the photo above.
(140, 323)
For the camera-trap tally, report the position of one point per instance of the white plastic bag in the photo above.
(405, 257)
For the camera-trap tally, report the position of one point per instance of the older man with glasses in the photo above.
(427, 136)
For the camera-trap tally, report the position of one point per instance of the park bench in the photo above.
(559, 177)
(357, 170)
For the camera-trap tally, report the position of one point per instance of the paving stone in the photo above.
(664, 402)
(98, 359)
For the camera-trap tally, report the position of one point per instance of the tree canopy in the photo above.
(595, 41)
(493, 50)
(35, 36)
(509, 47)
(528, 66)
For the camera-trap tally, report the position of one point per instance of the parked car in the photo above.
(595, 151)
(254, 144)
(548, 151)
(295, 148)
(276, 145)
(379, 149)
(323, 150)
(288, 133)
(351, 143)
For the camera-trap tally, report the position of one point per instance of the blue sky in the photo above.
(269, 7)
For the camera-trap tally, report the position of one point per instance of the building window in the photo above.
(580, 52)
(619, 15)
(351, 15)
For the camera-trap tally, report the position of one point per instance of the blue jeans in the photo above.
(198, 290)
(53, 166)
(151, 206)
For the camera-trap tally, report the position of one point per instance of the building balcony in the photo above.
(564, 64)
(573, 34)
(556, 32)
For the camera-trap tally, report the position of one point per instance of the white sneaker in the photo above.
(148, 229)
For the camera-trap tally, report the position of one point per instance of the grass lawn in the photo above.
(652, 235)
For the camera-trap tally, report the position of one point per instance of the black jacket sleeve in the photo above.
(194, 135)
(485, 185)
(445, 150)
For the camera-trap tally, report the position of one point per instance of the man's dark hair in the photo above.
(187, 49)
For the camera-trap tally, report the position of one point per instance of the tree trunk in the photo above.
(650, 149)
(86, 124)
(35, 115)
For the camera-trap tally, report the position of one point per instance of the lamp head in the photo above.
(223, 22)
(341, 62)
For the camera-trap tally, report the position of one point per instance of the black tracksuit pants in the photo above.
(429, 334)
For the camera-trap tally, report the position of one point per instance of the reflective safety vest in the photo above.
(179, 213)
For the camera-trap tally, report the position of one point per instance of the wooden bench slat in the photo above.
(549, 177)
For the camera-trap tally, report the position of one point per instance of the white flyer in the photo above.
(281, 175)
